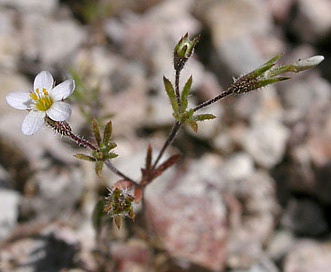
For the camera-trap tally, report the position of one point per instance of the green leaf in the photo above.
(98, 168)
(193, 124)
(84, 157)
(107, 133)
(110, 155)
(171, 94)
(185, 93)
(204, 117)
(96, 131)
(105, 148)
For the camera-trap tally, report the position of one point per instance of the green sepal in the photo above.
(185, 93)
(266, 66)
(278, 71)
(85, 157)
(117, 221)
(171, 94)
(96, 131)
(107, 133)
(264, 82)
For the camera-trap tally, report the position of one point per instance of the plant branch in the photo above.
(177, 77)
(168, 142)
(119, 173)
(213, 100)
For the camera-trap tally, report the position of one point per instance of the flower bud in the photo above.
(183, 51)
(304, 64)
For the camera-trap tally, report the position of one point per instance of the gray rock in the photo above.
(189, 216)
(41, 7)
(309, 170)
(234, 26)
(8, 211)
(239, 166)
(9, 47)
(51, 41)
(58, 193)
(263, 265)
(299, 95)
(266, 142)
(50, 248)
(307, 256)
(313, 21)
(229, 19)
(140, 39)
(280, 244)
(281, 9)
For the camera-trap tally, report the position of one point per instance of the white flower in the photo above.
(44, 100)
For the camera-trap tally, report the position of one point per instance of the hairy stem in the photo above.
(168, 142)
(177, 77)
(213, 100)
(81, 141)
(119, 173)
(64, 129)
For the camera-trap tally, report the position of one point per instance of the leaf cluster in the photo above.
(181, 112)
(103, 152)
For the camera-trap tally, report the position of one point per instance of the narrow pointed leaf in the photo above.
(110, 156)
(96, 131)
(194, 125)
(107, 132)
(148, 163)
(204, 117)
(185, 93)
(98, 168)
(84, 157)
(110, 146)
(171, 94)
(168, 163)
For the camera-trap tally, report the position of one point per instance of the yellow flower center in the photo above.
(42, 100)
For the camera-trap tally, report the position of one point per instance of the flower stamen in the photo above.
(43, 101)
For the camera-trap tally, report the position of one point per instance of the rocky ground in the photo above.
(252, 192)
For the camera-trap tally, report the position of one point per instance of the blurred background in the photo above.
(252, 192)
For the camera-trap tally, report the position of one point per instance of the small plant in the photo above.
(45, 105)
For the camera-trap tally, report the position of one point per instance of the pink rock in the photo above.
(189, 217)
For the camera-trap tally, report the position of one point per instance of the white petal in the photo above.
(43, 80)
(63, 90)
(308, 63)
(59, 111)
(19, 100)
(32, 122)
